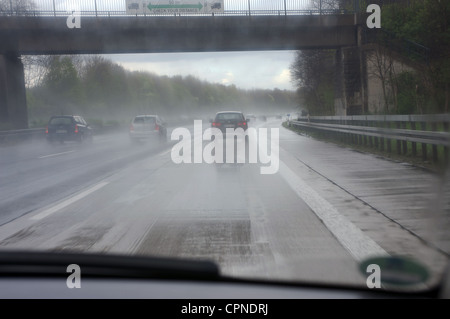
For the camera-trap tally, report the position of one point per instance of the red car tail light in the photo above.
(157, 127)
(76, 128)
(216, 124)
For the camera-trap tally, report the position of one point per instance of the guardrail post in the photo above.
(365, 123)
(404, 143)
(344, 135)
(340, 135)
(354, 136)
(388, 140)
(359, 136)
(363, 137)
(423, 127)
(413, 144)
(375, 138)
(388, 132)
(350, 135)
(434, 146)
(446, 149)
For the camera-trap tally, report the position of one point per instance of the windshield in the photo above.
(229, 116)
(344, 161)
(144, 120)
(60, 121)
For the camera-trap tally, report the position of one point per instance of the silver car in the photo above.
(148, 127)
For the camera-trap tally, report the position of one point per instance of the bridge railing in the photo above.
(46, 13)
(38, 134)
(409, 134)
(119, 8)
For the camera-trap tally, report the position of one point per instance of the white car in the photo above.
(148, 127)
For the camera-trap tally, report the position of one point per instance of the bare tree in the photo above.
(313, 73)
(326, 4)
(35, 68)
(382, 68)
(16, 6)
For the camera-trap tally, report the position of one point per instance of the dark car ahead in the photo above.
(64, 128)
(230, 119)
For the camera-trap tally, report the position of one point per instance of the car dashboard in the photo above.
(49, 275)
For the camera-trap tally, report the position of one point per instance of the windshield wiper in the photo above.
(27, 263)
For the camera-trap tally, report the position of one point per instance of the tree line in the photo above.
(104, 91)
(410, 25)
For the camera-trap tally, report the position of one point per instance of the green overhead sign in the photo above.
(173, 6)
(198, 6)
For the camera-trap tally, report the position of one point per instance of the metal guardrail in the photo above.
(21, 135)
(380, 130)
(17, 136)
(429, 118)
(436, 138)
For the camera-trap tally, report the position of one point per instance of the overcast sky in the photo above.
(246, 70)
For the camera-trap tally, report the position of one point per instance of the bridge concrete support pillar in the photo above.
(353, 80)
(349, 82)
(340, 105)
(13, 102)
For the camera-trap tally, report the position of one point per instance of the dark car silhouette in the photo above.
(68, 128)
(133, 6)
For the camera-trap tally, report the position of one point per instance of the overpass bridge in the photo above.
(45, 32)
(50, 35)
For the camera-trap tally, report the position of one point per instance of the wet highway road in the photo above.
(326, 209)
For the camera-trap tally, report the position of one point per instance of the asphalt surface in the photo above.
(324, 210)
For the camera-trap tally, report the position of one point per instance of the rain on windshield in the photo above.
(342, 106)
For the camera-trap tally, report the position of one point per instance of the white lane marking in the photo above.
(165, 152)
(68, 201)
(351, 237)
(57, 154)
